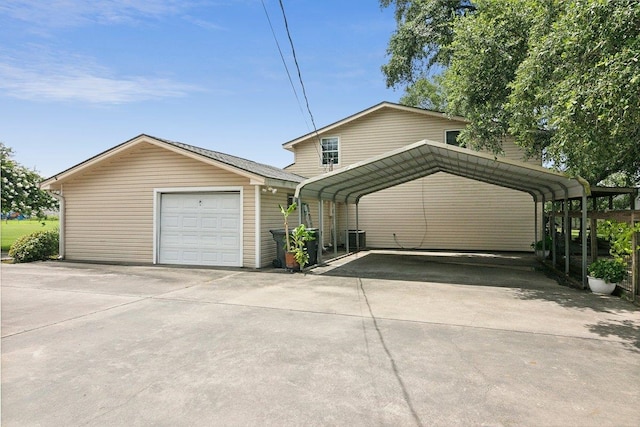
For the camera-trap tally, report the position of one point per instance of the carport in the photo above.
(424, 158)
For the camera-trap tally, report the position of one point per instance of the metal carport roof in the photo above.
(425, 158)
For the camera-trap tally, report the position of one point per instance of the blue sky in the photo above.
(78, 77)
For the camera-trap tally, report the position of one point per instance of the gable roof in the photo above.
(425, 158)
(385, 104)
(259, 173)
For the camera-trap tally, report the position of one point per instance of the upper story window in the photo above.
(330, 149)
(451, 137)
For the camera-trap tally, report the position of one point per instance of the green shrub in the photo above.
(37, 246)
(609, 270)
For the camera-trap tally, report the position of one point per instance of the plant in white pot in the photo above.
(605, 274)
(537, 247)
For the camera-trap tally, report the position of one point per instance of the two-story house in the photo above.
(150, 200)
(440, 211)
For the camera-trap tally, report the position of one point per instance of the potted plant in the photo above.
(537, 247)
(605, 273)
(289, 257)
(299, 237)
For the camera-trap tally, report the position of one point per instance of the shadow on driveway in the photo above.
(478, 269)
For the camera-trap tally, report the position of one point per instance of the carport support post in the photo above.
(357, 227)
(583, 230)
(346, 233)
(552, 230)
(544, 235)
(334, 212)
(535, 224)
(320, 234)
(567, 231)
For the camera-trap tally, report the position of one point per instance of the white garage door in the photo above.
(200, 229)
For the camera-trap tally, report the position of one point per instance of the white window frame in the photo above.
(451, 130)
(337, 138)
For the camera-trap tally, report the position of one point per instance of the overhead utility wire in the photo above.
(295, 60)
(284, 62)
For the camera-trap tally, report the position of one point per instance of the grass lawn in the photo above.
(12, 229)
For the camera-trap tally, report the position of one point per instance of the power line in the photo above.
(295, 60)
(284, 62)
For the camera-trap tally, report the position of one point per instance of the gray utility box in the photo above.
(362, 239)
(312, 247)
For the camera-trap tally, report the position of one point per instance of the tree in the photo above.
(427, 93)
(577, 92)
(561, 77)
(20, 188)
(487, 49)
(424, 32)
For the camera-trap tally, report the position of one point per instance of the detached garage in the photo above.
(150, 200)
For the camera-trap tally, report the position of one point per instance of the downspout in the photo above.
(61, 231)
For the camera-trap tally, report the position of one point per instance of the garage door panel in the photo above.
(210, 224)
(200, 229)
(189, 222)
(231, 224)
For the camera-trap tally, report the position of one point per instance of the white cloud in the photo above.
(55, 81)
(68, 13)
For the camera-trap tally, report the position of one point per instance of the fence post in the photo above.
(635, 264)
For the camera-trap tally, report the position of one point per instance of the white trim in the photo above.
(258, 228)
(451, 130)
(157, 194)
(322, 151)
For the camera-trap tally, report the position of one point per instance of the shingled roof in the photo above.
(238, 162)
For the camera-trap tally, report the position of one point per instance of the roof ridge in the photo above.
(230, 159)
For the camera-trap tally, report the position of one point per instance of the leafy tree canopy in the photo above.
(20, 188)
(561, 77)
(421, 40)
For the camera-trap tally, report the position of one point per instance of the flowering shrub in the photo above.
(20, 188)
(37, 246)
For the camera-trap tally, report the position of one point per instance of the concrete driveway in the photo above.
(375, 339)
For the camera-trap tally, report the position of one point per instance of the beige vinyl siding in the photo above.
(109, 208)
(272, 219)
(379, 132)
(448, 212)
(460, 213)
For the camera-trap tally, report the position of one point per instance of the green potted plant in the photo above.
(537, 247)
(289, 257)
(296, 255)
(605, 273)
(299, 237)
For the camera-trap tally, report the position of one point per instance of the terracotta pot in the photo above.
(290, 261)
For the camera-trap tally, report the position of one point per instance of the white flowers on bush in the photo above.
(20, 187)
